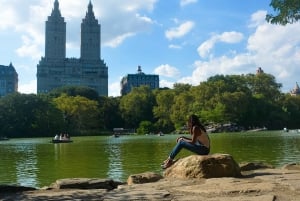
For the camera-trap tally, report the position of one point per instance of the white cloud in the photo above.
(187, 2)
(114, 89)
(180, 31)
(226, 37)
(274, 48)
(167, 71)
(29, 21)
(239, 64)
(165, 83)
(118, 40)
(172, 46)
(28, 88)
(257, 18)
(10, 16)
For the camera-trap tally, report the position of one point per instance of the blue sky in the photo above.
(184, 41)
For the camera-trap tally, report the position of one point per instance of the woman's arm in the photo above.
(183, 138)
(196, 131)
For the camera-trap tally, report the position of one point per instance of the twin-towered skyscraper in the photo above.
(55, 70)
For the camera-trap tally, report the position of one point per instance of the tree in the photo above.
(181, 109)
(291, 107)
(28, 115)
(137, 105)
(75, 91)
(145, 127)
(162, 111)
(110, 114)
(265, 86)
(79, 113)
(286, 11)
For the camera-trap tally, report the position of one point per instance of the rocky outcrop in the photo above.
(146, 177)
(85, 183)
(254, 166)
(260, 184)
(209, 166)
(292, 166)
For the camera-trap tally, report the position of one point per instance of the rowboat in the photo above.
(62, 141)
(3, 138)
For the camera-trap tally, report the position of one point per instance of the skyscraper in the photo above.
(8, 80)
(55, 70)
(138, 79)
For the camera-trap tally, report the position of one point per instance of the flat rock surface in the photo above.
(256, 185)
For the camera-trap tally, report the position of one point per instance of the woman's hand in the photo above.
(179, 138)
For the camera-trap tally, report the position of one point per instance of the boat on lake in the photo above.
(2, 138)
(62, 138)
(61, 141)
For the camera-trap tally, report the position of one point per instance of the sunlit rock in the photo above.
(209, 166)
(146, 177)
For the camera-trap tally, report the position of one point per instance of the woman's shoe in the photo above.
(165, 161)
(167, 164)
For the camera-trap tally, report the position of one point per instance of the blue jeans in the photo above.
(198, 149)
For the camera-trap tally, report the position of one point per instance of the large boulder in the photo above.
(208, 166)
(146, 177)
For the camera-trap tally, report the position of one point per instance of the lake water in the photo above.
(36, 162)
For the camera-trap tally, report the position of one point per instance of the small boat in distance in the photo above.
(160, 134)
(2, 138)
(61, 141)
(62, 138)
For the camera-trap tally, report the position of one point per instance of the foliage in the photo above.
(109, 113)
(75, 91)
(249, 101)
(137, 106)
(28, 115)
(162, 111)
(286, 11)
(78, 112)
(145, 127)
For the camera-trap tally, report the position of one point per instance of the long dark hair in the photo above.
(194, 121)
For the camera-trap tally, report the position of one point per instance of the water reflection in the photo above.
(115, 168)
(290, 146)
(38, 163)
(26, 165)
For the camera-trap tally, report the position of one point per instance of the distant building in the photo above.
(8, 80)
(259, 71)
(138, 79)
(55, 70)
(295, 91)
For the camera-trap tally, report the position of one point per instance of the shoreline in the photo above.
(256, 183)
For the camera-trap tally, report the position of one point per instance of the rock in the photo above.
(85, 183)
(261, 184)
(292, 166)
(209, 166)
(146, 177)
(254, 166)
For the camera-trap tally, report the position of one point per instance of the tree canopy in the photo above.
(285, 12)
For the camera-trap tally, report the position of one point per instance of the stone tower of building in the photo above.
(90, 36)
(296, 90)
(55, 70)
(55, 37)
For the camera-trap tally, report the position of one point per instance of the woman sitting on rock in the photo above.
(199, 143)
